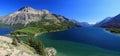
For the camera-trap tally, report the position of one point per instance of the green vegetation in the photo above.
(37, 45)
(33, 30)
(27, 31)
(16, 40)
(42, 26)
(114, 30)
(32, 42)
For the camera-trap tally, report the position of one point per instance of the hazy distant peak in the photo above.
(108, 18)
(103, 21)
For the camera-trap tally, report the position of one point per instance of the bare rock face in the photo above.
(24, 16)
(7, 49)
(27, 14)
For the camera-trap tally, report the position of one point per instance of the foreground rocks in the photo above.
(50, 52)
(8, 49)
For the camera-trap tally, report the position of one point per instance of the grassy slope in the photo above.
(32, 30)
(28, 30)
(44, 25)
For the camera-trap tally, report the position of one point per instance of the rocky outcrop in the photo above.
(8, 49)
(50, 52)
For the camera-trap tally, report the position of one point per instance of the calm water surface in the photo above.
(88, 35)
(5, 31)
(85, 41)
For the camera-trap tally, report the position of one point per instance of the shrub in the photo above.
(15, 41)
(37, 45)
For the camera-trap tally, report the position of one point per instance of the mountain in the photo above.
(76, 22)
(27, 15)
(112, 23)
(103, 21)
(84, 24)
(29, 21)
(1, 17)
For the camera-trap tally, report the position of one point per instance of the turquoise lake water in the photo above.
(85, 41)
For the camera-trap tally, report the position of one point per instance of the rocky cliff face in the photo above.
(24, 16)
(8, 49)
(27, 15)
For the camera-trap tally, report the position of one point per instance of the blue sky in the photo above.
(91, 11)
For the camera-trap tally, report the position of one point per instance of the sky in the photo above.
(90, 11)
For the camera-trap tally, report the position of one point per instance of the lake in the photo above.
(85, 41)
(5, 31)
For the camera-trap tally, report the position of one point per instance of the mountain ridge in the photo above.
(26, 15)
(114, 22)
(103, 21)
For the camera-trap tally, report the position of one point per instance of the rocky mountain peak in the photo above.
(26, 9)
(26, 15)
(46, 12)
(30, 10)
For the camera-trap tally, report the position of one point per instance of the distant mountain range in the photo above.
(27, 15)
(113, 22)
(103, 22)
(84, 24)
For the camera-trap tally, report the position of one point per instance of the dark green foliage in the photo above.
(32, 42)
(114, 30)
(16, 40)
(37, 45)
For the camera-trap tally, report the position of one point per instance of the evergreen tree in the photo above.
(37, 45)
